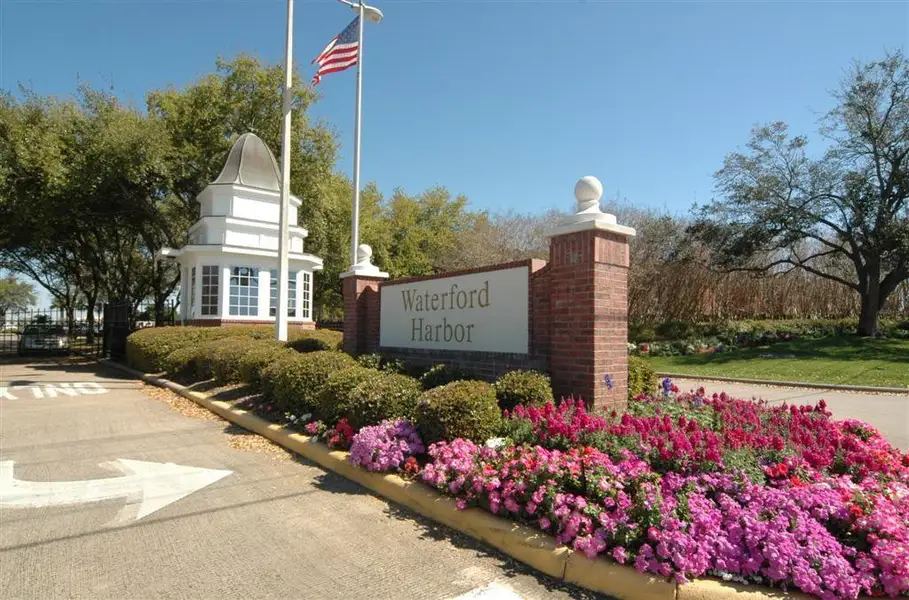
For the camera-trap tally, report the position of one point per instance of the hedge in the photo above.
(229, 354)
(442, 374)
(271, 376)
(315, 340)
(259, 358)
(386, 396)
(523, 387)
(753, 332)
(335, 395)
(193, 362)
(296, 383)
(462, 409)
(147, 349)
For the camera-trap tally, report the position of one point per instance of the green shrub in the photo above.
(675, 330)
(748, 332)
(315, 340)
(272, 376)
(523, 387)
(296, 384)
(386, 396)
(462, 409)
(370, 361)
(258, 358)
(377, 361)
(192, 363)
(338, 390)
(641, 378)
(442, 374)
(147, 349)
(229, 354)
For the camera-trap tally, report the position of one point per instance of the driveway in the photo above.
(232, 523)
(889, 413)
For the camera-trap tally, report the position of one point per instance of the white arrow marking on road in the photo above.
(493, 591)
(147, 487)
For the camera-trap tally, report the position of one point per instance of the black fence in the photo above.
(55, 332)
(123, 318)
(333, 325)
(52, 331)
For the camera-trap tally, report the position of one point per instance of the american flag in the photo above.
(340, 53)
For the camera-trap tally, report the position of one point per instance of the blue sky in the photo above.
(508, 102)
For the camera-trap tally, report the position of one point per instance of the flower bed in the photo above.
(822, 508)
(680, 485)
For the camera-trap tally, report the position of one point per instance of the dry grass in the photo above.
(237, 437)
(241, 439)
(178, 403)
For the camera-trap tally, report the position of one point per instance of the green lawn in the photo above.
(838, 360)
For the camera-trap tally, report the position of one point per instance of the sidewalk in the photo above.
(887, 412)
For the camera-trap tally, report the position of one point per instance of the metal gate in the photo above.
(35, 333)
(123, 318)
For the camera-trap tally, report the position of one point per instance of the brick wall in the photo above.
(361, 315)
(487, 365)
(577, 319)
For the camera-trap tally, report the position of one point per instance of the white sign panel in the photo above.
(480, 312)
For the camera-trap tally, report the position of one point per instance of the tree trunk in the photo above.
(871, 307)
(159, 310)
(71, 320)
(90, 318)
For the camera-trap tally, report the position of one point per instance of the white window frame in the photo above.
(291, 294)
(306, 296)
(192, 291)
(242, 304)
(210, 290)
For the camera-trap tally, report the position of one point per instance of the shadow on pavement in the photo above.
(153, 521)
(510, 568)
(68, 365)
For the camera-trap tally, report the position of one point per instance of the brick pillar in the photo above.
(361, 315)
(361, 304)
(588, 285)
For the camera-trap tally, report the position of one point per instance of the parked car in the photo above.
(43, 338)
(82, 329)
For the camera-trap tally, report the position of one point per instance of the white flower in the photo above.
(495, 443)
(307, 417)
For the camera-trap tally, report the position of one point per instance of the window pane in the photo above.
(244, 291)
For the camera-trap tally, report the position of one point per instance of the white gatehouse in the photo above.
(228, 270)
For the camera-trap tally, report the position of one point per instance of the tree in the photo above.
(89, 209)
(204, 119)
(15, 295)
(843, 217)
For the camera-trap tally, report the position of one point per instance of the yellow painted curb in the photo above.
(527, 545)
(601, 575)
(711, 589)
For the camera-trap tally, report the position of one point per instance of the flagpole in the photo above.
(355, 227)
(283, 241)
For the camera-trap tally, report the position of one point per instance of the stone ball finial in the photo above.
(588, 191)
(364, 253)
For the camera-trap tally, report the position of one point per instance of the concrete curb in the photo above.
(795, 384)
(529, 546)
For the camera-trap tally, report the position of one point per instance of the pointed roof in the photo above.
(250, 163)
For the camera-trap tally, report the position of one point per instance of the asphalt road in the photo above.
(268, 528)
